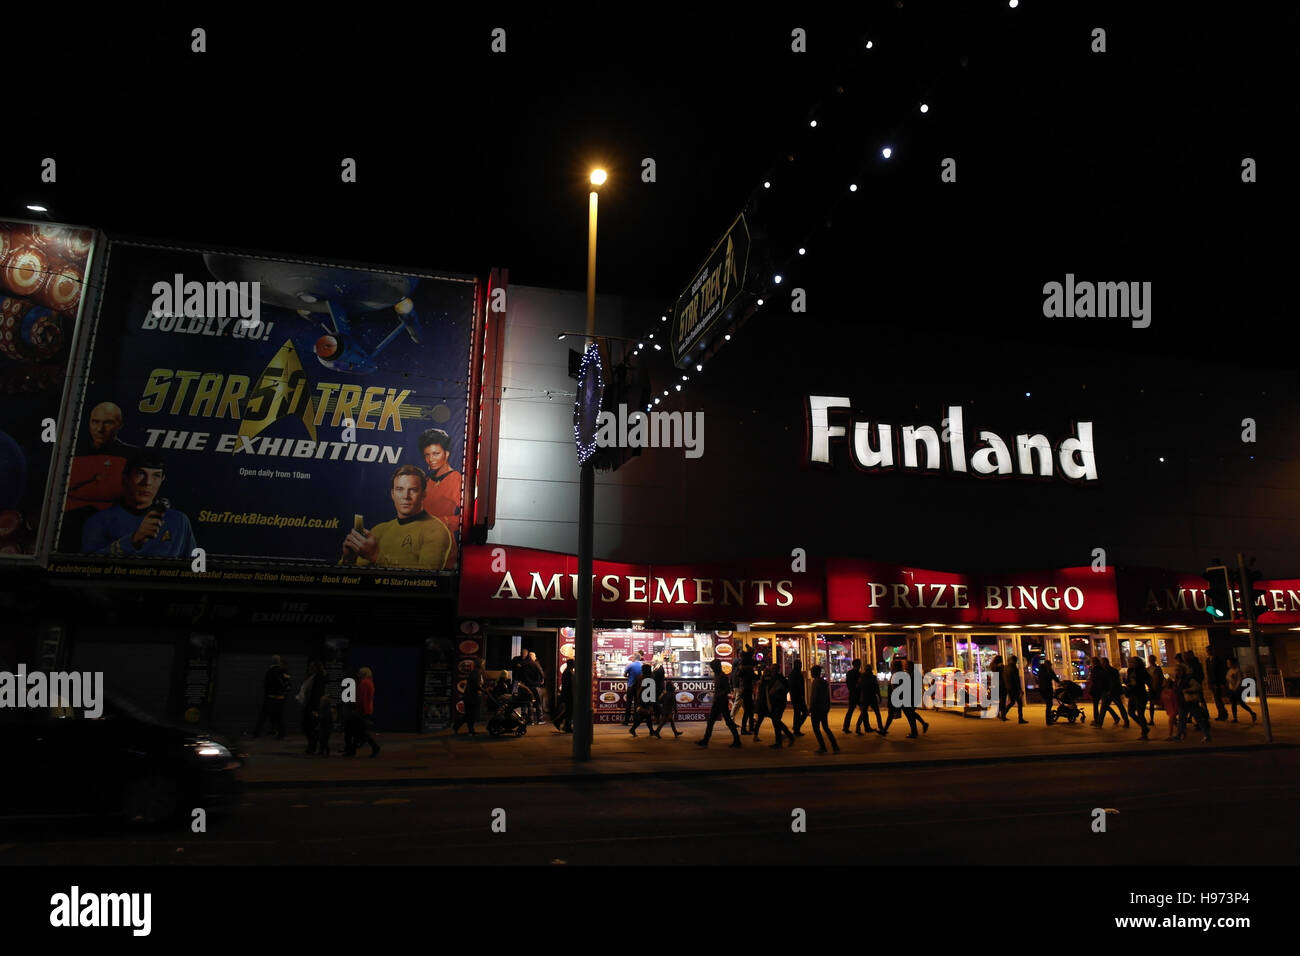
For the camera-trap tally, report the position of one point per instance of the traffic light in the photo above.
(1256, 599)
(1218, 603)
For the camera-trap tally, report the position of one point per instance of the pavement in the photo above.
(545, 754)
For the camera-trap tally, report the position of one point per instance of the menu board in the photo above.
(436, 703)
(200, 671)
(694, 694)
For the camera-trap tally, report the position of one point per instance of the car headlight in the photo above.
(209, 748)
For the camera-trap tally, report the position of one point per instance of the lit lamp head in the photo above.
(598, 177)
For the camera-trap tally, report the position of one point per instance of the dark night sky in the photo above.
(1117, 165)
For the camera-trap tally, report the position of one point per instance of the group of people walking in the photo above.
(759, 693)
(319, 714)
(1183, 694)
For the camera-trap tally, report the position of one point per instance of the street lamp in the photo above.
(586, 520)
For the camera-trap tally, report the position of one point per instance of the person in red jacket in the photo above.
(363, 712)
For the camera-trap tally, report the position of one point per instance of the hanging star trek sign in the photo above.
(710, 301)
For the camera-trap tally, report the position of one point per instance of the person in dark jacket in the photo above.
(891, 708)
(820, 709)
(645, 703)
(472, 698)
(1046, 686)
(851, 681)
(777, 690)
(1217, 677)
(564, 710)
(761, 710)
(660, 674)
(720, 710)
(1013, 692)
(1157, 678)
(275, 688)
(313, 686)
(913, 670)
(1114, 693)
(798, 697)
(1139, 684)
(1099, 690)
(747, 679)
(668, 709)
(869, 696)
(536, 682)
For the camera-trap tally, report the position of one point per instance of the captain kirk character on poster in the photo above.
(291, 400)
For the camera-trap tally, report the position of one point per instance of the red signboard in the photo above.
(873, 592)
(502, 581)
(1154, 596)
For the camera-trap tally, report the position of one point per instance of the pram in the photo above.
(1065, 698)
(511, 712)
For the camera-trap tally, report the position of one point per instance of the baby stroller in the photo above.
(510, 712)
(1066, 695)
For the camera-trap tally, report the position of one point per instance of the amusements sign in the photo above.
(263, 409)
(43, 273)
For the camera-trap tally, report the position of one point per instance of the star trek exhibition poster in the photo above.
(272, 411)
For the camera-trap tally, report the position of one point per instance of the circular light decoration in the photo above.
(586, 409)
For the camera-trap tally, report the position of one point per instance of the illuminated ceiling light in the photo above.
(663, 318)
(727, 337)
(760, 301)
(699, 368)
(869, 44)
(665, 391)
(1013, 3)
(1008, 627)
(802, 250)
(813, 124)
(777, 279)
(647, 408)
(912, 627)
(881, 624)
(656, 401)
(686, 378)
(38, 209)
(823, 623)
(856, 626)
(886, 152)
(767, 185)
(679, 388)
(560, 337)
(853, 187)
(652, 335)
(932, 625)
(760, 623)
(925, 108)
(1162, 459)
(658, 347)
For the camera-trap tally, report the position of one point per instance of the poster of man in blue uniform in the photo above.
(140, 524)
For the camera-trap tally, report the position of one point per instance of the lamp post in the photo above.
(586, 523)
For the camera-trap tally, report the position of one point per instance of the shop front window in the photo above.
(888, 647)
(1080, 658)
(1033, 647)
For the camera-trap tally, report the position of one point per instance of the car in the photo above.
(124, 763)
